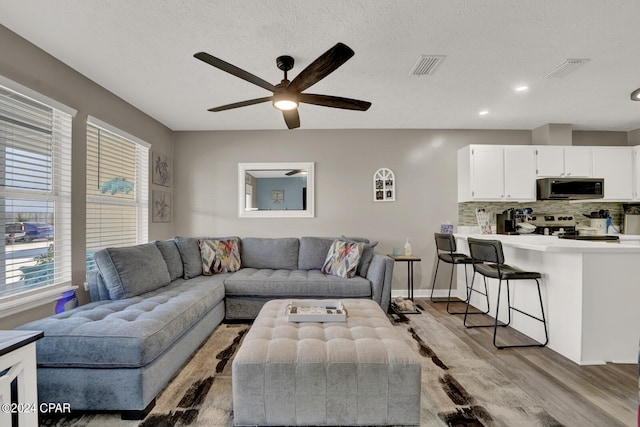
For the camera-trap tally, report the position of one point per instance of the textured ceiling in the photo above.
(142, 51)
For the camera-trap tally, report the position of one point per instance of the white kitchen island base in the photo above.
(590, 292)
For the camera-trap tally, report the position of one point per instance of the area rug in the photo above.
(458, 387)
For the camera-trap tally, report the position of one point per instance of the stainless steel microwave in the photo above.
(570, 188)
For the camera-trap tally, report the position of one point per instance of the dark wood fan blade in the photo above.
(291, 118)
(334, 101)
(326, 64)
(232, 69)
(241, 104)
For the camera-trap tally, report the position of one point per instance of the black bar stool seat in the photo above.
(446, 252)
(455, 258)
(488, 260)
(506, 272)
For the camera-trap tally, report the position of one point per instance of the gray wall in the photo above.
(205, 170)
(424, 162)
(29, 66)
(599, 138)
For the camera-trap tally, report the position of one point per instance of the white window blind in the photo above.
(35, 196)
(117, 191)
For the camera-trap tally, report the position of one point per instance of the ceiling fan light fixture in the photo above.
(635, 95)
(285, 101)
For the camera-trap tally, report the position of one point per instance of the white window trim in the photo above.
(106, 126)
(22, 301)
(30, 93)
(142, 180)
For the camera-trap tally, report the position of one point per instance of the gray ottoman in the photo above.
(356, 373)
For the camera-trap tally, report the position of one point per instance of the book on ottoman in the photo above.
(316, 311)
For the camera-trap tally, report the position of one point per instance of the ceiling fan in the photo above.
(288, 94)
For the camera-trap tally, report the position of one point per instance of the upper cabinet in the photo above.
(636, 173)
(509, 172)
(563, 162)
(496, 173)
(615, 165)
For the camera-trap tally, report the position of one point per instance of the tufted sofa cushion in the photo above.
(294, 283)
(359, 372)
(132, 270)
(171, 256)
(313, 252)
(261, 252)
(125, 333)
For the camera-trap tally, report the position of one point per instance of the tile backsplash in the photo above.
(467, 210)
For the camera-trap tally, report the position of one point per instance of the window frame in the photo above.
(20, 301)
(141, 185)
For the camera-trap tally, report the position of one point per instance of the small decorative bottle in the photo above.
(407, 248)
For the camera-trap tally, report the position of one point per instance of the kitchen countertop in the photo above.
(537, 242)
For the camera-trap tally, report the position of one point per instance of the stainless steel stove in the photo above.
(553, 223)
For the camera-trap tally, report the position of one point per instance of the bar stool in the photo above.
(489, 262)
(446, 252)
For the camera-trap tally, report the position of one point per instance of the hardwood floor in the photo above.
(606, 395)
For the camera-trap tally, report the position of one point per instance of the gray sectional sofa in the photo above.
(151, 309)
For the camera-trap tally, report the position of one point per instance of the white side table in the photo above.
(18, 362)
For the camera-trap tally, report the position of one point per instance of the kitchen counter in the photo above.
(591, 291)
(537, 242)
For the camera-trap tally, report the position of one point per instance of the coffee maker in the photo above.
(506, 222)
(631, 223)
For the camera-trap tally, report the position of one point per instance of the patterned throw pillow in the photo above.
(343, 258)
(367, 254)
(219, 256)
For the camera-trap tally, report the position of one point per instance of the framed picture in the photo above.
(161, 206)
(384, 185)
(277, 196)
(161, 165)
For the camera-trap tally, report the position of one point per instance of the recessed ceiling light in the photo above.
(483, 113)
(522, 88)
(635, 95)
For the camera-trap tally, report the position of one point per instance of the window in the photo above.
(117, 189)
(35, 200)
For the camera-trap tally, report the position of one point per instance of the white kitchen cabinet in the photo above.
(615, 165)
(496, 173)
(636, 173)
(519, 173)
(563, 162)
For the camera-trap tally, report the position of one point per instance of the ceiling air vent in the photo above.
(426, 65)
(565, 68)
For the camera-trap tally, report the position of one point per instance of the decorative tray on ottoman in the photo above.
(316, 311)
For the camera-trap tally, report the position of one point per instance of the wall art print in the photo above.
(161, 206)
(161, 165)
(384, 185)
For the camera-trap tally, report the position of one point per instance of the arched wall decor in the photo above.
(384, 185)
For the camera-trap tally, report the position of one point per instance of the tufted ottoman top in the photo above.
(359, 372)
(366, 336)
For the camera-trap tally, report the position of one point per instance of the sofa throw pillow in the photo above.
(189, 249)
(219, 256)
(367, 254)
(343, 258)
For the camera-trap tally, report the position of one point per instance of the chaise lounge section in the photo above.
(151, 308)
